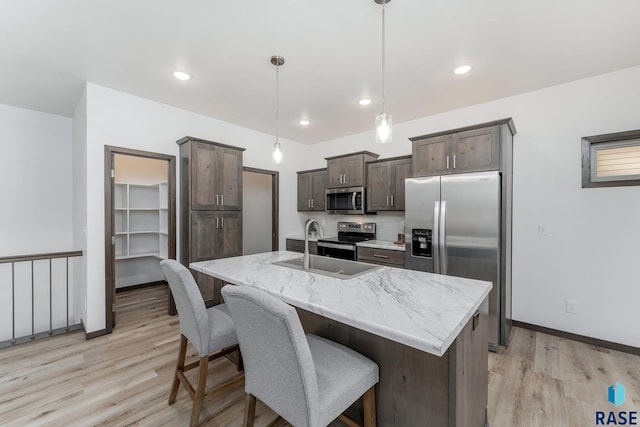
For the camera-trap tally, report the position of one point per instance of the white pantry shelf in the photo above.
(141, 232)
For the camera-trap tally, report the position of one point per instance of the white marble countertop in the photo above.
(421, 310)
(381, 244)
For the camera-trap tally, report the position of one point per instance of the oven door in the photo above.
(337, 250)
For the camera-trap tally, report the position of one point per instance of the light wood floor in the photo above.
(124, 378)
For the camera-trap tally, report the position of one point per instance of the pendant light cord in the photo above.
(277, 101)
(384, 108)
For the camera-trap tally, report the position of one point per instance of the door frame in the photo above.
(109, 215)
(275, 201)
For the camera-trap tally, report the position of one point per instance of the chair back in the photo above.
(278, 366)
(194, 321)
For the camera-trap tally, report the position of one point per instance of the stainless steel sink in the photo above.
(333, 267)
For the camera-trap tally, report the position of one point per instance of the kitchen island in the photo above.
(427, 332)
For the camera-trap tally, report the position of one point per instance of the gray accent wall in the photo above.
(256, 212)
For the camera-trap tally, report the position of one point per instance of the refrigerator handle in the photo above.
(435, 240)
(442, 236)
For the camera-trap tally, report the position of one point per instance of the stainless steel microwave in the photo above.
(346, 201)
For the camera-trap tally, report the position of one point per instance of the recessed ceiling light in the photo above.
(462, 69)
(304, 122)
(181, 75)
(364, 101)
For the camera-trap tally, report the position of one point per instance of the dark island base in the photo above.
(418, 388)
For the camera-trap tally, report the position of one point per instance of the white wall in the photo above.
(79, 206)
(256, 213)
(592, 250)
(35, 178)
(119, 119)
(36, 217)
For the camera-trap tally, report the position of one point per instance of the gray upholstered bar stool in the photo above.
(307, 380)
(210, 330)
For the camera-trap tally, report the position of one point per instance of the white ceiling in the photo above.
(48, 49)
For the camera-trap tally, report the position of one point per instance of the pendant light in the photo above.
(277, 153)
(383, 120)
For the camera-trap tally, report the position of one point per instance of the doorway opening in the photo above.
(140, 221)
(260, 215)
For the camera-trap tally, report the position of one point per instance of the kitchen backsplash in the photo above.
(388, 224)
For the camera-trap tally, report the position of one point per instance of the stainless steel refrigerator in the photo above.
(454, 226)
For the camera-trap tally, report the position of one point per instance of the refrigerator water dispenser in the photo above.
(421, 243)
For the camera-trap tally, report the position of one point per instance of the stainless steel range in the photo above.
(349, 233)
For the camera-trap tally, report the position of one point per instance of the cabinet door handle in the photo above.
(217, 199)
(447, 162)
(217, 222)
(345, 178)
(222, 199)
(221, 222)
(313, 203)
(392, 200)
(387, 200)
(454, 161)
(381, 256)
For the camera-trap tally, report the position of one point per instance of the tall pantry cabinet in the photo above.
(210, 207)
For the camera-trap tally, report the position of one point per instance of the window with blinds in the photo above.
(611, 160)
(617, 160)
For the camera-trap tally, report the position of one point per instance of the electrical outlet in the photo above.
(571, 307)
(543, 230)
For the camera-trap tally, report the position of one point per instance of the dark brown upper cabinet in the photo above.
(385, 183)
(312, 185)
(465, 150)
(216, 177)
(431, 156)
(348, 170)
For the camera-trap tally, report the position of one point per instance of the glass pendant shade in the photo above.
(383, 128)
(277, 153)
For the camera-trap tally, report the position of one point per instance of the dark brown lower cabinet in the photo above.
(381, 256)
(219, 236)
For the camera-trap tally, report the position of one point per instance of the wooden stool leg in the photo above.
(369, 406)
(199, 396)
(249, 410)
(179, 367)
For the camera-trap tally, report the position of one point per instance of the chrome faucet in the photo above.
(306, 240)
